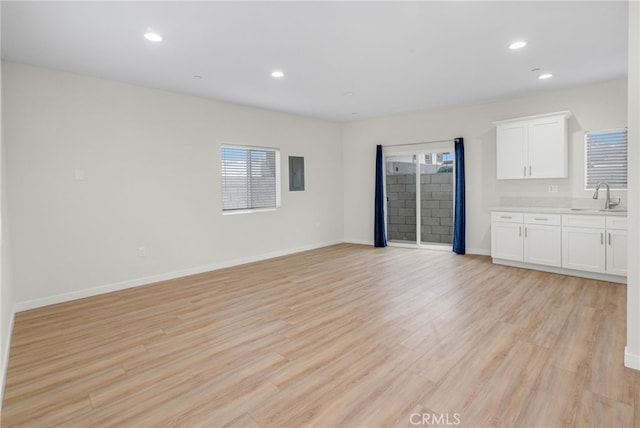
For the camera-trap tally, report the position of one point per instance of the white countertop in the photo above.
(551, 210)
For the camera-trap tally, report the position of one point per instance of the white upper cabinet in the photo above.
(532, 147)
(511, 150)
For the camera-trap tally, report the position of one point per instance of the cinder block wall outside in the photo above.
(436, 202)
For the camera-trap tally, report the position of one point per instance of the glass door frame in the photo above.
(418, 150)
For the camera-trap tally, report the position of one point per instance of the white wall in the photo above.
(594, 107)
(151, 164)
(6, 299)
(632, 353)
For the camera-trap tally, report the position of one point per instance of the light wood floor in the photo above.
(347, 336)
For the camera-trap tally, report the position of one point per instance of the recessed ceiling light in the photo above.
(348, 94)
(153, 37)
(278, 73)
(545, 76)
(518, 45)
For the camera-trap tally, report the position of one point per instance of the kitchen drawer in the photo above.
(595, 221)
(506, 217)
(617, 222)
(548, 219)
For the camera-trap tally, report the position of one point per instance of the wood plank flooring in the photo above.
(344, 336)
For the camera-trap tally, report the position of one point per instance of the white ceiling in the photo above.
(393, 56)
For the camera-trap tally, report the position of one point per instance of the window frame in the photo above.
(615, 185)
(277, 179)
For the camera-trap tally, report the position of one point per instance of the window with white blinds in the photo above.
(606, 158)
(250, 178)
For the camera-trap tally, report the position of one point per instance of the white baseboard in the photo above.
(479, 251)
(358, 241)
(474, 251)
(563, 271)
(631, 360)
(5, 357)
(108, 288)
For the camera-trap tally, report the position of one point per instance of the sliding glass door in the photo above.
(401, 199)
(436, 199)
(420, 215)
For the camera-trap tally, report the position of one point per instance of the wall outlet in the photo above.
(553, 188)
(142, 251)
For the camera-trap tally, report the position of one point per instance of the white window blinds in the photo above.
(606, 158)
(249, 178)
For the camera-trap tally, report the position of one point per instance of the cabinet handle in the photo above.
(520, 231)
(524, 171)
(525, 232)
(601, 238)
(541, 219)
(609, 238)
(505, 216)
(529, 170)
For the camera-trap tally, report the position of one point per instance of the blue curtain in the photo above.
(459, 217)
(379, 232)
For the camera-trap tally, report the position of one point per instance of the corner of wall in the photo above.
(6, 299)
(6, 347)
(631, 360)
(632, 351)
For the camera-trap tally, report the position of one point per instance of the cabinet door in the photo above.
(511, 146)
(506, 241)
(542, 245)
(617, 252)
(547, 148)
(583, 249)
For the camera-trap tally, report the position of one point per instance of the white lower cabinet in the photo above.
(506, 236)
(526, 238)
(595, 244)
(542, 245)
(508, 241)
(587, 243)
(583, 249)
(617, 245)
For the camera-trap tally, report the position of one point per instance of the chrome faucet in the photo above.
(607, 203)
